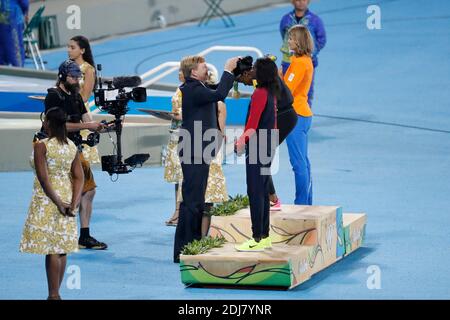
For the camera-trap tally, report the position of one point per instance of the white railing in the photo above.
(174, 66)
(231, 48)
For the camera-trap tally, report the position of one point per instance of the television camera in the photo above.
(114, 99)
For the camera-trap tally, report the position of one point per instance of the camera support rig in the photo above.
(114, 100)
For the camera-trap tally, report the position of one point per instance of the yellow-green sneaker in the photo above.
(267, 242)
(250, 246)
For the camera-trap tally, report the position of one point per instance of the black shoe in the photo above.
(91, 243)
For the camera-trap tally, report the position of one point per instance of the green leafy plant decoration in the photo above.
(231, 206)
(203, 245)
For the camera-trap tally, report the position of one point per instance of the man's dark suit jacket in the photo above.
(199, 108)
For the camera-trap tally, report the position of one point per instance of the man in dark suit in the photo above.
(199, 142)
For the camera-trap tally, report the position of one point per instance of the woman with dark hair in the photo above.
(79, 50)
(286, 120)
(51, 226)
(259, 142)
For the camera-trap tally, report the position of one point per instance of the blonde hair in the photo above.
(189, 63)
(304, 44)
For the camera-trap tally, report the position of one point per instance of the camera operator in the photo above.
(66, 96)
(199, 107)
(286, 115)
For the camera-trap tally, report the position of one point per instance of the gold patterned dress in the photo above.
(216, 190)
(89, 153)
(172, 166)
(46, 230)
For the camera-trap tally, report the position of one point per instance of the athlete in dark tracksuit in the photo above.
(286, 115)
(261, 120)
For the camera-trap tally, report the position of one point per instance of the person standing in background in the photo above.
(301, 15)
(298, 79)
(172, 166)
(13, 16)
(79, 50)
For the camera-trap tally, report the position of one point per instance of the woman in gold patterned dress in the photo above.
(79, 50)
(216, 191)
(172, 166)
(51, 227)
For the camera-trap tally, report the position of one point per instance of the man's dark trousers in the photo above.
(195, 179)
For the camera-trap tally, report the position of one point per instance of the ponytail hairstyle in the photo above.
(304, 44)
(267, 75)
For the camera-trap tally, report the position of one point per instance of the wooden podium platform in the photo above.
(354, 231)
(306, 239)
